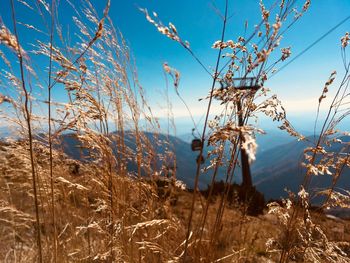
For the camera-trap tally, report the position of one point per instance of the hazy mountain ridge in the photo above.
(278, 165)
(277, 168)
(284, 169)
(185, 158)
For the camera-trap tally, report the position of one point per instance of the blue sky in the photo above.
(298, 86)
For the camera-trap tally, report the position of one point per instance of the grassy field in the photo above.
(121, 200)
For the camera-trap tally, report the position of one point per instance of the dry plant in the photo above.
(95, 208)
(118, 200)
(303, 239)
(239, 84)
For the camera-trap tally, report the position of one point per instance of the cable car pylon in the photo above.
(245, 84)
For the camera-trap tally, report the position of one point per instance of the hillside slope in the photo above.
(274, 170)
(280, 168)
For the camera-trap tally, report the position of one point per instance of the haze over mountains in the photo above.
(280, 168)
(277, 166)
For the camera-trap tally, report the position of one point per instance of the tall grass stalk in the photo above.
(55, 241)
(30, 136)
(189, 226)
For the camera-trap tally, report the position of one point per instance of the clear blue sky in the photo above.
(299, 85)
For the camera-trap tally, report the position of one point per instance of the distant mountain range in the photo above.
(185, 158)
(267, 141)
(277, 166)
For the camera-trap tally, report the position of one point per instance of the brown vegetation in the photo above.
(55, 209)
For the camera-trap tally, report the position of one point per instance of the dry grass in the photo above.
(55, 209)
(81, 201)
